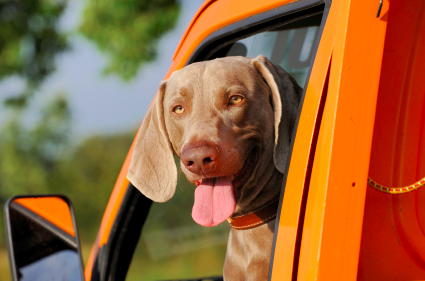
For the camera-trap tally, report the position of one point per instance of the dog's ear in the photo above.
(286, 96)
(152, 169)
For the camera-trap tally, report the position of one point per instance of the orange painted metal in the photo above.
(393, 242)
(53, 209)
(189, 27)
(334, 214)
(286, 249)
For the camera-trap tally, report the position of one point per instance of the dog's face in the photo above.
(224, 119)
(219, 118)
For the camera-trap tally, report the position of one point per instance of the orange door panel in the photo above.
(334, 214)
(288, 237)
(393, 242)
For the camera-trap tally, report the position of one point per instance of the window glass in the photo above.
(172, 246)
(290, 46)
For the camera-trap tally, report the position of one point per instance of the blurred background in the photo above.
(76, 78)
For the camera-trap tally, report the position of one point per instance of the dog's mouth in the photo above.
(215, 197)
(239, 178)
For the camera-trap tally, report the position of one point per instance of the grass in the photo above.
(201, 263)
(4, 266)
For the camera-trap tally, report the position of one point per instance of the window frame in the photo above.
(128, 225)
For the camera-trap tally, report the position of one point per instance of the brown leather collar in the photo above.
(256, 217)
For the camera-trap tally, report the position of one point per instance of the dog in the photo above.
(230, 122)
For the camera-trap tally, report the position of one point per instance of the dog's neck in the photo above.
(256, 217)
(261, 188)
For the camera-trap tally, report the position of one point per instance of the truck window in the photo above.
(290, 46)
(172, 246)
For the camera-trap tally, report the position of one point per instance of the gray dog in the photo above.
(230, 122)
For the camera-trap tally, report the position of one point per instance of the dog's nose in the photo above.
(200, 160)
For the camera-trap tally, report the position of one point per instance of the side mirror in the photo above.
(42, 238)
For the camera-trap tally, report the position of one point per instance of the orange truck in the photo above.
(353, 206)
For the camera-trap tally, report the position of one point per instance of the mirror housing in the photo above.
(42, 238)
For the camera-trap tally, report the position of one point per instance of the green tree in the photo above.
(43, 160)
(29, 42)
(28, 156)
(88, 175)
(128, 30)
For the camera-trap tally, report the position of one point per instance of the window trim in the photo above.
(255, 24)
(105, 266)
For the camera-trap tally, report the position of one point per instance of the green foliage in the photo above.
(42, 160)
(27, 157)
(128, 30)
(29, 42)
(125, 30)
(88, 176)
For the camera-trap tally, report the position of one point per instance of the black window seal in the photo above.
(267, 20)
(114, 258)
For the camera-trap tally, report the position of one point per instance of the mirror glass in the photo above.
(42, 239)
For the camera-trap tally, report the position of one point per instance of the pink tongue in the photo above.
(214, 202)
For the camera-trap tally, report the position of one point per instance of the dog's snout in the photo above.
(200, 160)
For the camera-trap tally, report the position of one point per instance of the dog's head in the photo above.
(224, 119)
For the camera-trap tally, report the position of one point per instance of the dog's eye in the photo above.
(235, 99)
(178, 109)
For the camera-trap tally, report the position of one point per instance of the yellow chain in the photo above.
(396, 190)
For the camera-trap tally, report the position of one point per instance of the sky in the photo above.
(99, 104)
